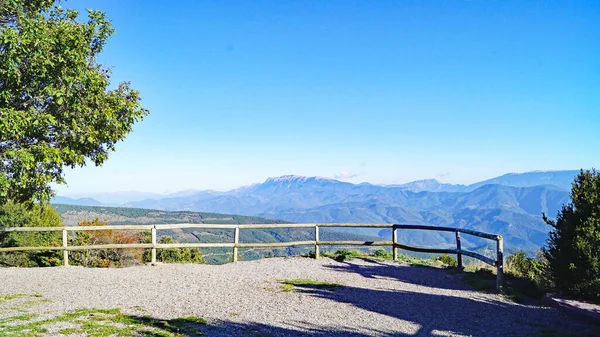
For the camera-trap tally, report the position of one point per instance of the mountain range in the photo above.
(510, 205)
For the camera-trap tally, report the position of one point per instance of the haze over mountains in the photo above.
(510, 205)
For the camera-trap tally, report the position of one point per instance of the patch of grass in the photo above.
(140, 308)
(17, 318)
(5, 298)
(23, 305)
(29, 304)
(103, 322)
(288, 285)
(189, 320)
(420, 263)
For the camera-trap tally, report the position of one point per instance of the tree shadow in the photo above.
(193, 327)
(438, 308)
(421, 275)
(447, 314)
(432, 314)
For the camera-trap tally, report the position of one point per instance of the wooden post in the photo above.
(459, 254)
(394, 242)
(500, 264)
(153, 261)
(65, 239)
(317, 253)
(236, 240)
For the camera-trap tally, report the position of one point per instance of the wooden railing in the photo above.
(154, 245)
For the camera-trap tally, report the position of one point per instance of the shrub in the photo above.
(104, 258)
(520, 265)
(175, 255)
(310, 254)
(382, 253)
(572, 247)
(448, 260)
(30, 215)
(345, 254)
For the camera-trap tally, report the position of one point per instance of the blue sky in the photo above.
(378, 91)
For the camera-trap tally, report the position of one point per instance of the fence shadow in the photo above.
(191, 327)
(420, 275)
(432, 314)
(443, 314)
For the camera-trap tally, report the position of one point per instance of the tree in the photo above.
(57, 107)
(573, 247)
(29, 215)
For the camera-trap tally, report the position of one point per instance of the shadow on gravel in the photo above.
(192, 327)
(435, 314)
(421, 275)
(442, 314)
(303, 329)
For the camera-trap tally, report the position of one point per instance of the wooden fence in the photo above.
(458, 251)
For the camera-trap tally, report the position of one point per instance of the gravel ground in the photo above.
(245, 299)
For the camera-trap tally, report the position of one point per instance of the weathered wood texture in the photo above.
(236, 241)
(500, 264)
(317, 252)
(459, 252)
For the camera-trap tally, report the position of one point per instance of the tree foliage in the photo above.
(105, 258)
(573, 248)
(29, 215)
(175, 255)
(57, 106)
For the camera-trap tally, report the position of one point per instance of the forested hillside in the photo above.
(72, 215)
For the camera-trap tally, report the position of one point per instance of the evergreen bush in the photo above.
(573, 247)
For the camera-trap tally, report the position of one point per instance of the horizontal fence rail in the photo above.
(459, 252)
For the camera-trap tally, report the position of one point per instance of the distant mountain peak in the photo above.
(430, 185)
(426, 181)
(295, 179)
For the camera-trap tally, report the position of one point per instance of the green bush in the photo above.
(346, 254)
(526, 267)
(30, 215)
(448, 260)
(175, 255)
(572, 247)
(382, 253)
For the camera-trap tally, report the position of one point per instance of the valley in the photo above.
(511, 205)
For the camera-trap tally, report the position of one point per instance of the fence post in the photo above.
(394, 242)
(459, 253)
(65, 242)
(317, 242)
(153, 261)
(500, 264)
(236, 240)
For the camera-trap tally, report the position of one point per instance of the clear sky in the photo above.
(378, 91)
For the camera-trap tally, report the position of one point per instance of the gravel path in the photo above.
(378, 298)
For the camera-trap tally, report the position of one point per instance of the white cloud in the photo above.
(347, 174)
